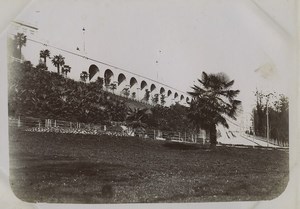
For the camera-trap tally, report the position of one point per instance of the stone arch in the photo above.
(93, 69)
(181, 97)
(121, 78)
(175, 95)
(152, 87)
(162, 90)
(143, 84)
(132, 82)
(169, 93)
(108, 74)
(187, 99)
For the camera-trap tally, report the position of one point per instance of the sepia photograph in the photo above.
(150, 101)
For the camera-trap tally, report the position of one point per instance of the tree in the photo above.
(280, 121)
(20, 40)
(163, 99)
(155, 99)
(44, 54)
(136, 117)
(259, 115)
(126, 92)
(57, 61)
(99, 83)
(41, 66)
(65, 70)
(133, 95)
(83, 76)
(278, 118)
(113, 87)
(212, 101)
(147, 95)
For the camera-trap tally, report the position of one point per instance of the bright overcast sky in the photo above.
(177, 39)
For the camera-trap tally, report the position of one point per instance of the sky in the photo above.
(173, 41)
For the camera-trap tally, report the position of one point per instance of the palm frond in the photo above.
(229, 84)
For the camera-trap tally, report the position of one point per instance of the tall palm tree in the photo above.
(20, 41)
(212, 101)
(44, 54)
(57, 61)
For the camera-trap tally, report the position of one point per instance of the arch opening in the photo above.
(108, 74)
(121, 78)
(133, 81)
(187, 99)
(169, 92)
(143, 85)
(162, 90)
(152, 87)
(175, 95)
(181, 97)
(93, 69)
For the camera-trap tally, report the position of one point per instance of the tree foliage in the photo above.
(278, 117)
(147, 95)
(212, 101)
(155, 99)
(65, 70)
(20, 40)
(84, 76)
(44, 54)
(58, 61)
(45, 94)
(163, 99)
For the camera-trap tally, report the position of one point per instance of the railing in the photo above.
(176, 136)
(32, 124)
(275, 142)
(60, 126)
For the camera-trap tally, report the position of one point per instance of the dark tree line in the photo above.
(278, 117)
(44, 94)
(39, 93)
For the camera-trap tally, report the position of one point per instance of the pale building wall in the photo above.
(79, 62)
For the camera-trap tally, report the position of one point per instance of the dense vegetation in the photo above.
(278, 110)
(36, 92)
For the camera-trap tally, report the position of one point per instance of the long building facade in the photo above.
(119, 81)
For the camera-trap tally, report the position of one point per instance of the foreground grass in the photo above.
(48, 167)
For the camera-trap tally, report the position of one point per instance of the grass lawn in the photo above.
(49, 167)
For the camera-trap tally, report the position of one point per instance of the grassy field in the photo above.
(48, 167)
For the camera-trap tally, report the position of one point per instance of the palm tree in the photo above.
(84, 75)
(65, 70)
(136, 118)
(58, 60)
(212, 101)
(163, 99)
(147, 95)
(155, 99)
(126, 92)
(20, 41)
(44, 54)
(113, 87)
